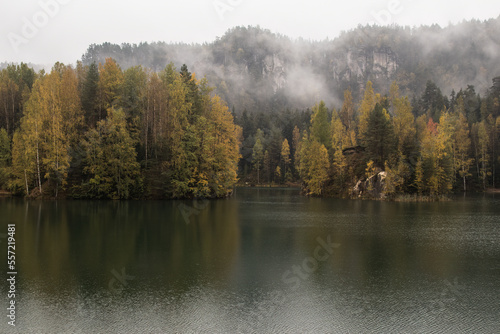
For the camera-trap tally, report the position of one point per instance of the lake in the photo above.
(263, 261)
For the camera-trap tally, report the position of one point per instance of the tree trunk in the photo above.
(6, 116)
(147, 130)
(38, 168)
(26, 182)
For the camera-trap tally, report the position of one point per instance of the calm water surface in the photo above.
(264, 261)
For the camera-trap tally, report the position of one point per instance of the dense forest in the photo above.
(99, 132)
(431, 146)
(362, 115)
(256, 70)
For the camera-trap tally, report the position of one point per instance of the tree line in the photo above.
(430, 145)
(255, 69)
(96, 131)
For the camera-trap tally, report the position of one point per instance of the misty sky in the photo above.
(45, 31)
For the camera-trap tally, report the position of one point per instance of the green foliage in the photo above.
(109, 86)
(423, 155)
(163, 133)
(315, 166)
(110, 159)
(320, 125)
(434, 173)
(462, 147)
(97, 126)
(285, 157)
(89, 95)
(365, 109)
(452, 56)
(5, 158)
(396, 178)
(379, 136)
(257, 156)
(48, 129)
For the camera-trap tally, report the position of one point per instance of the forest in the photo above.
(428, 146)
(102, 133)
(96, 131)
(336, 117)
(255, 69)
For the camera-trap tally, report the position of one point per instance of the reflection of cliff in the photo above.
(75, 245)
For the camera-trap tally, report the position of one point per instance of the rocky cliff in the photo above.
(372, 187)
(255, 69)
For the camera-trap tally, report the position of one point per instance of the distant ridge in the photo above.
(255, 69)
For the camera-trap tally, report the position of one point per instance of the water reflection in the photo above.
(141, 267)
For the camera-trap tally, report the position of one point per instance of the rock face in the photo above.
(257, 70)
(274, 70)
(372, 187)
(358, 64)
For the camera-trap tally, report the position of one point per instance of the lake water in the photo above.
(263, 261)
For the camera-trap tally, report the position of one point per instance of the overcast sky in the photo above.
(46, 31)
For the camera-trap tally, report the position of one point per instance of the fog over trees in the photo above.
(418, 107)
(254, 69)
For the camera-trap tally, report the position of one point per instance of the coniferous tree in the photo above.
(110, 159)
(257, 156)
(365, 109)
(462, 146)
(320, 126)
(89, 95)
(285, 157)
(379, 136)
(109, 86)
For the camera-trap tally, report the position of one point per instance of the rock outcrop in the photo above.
(372, 187)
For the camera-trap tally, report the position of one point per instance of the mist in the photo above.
(255, 69)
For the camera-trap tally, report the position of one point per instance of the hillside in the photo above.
(255, 69)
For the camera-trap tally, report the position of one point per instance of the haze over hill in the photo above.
(255, 69)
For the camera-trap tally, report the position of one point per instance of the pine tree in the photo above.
(133, 98)
(267, 166)
(339, 166)
(110, 160)
(365, 109)
(219, 143)
(257, 156)
(347, 113)
(295, 146)
(483, 156)
(404, 126)
(319, 165)
(89, 95)
(320, 126)
(109, 86)
(277, 174)
(339, 134)
(285, 156)
(462, 142)
(379, 136)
